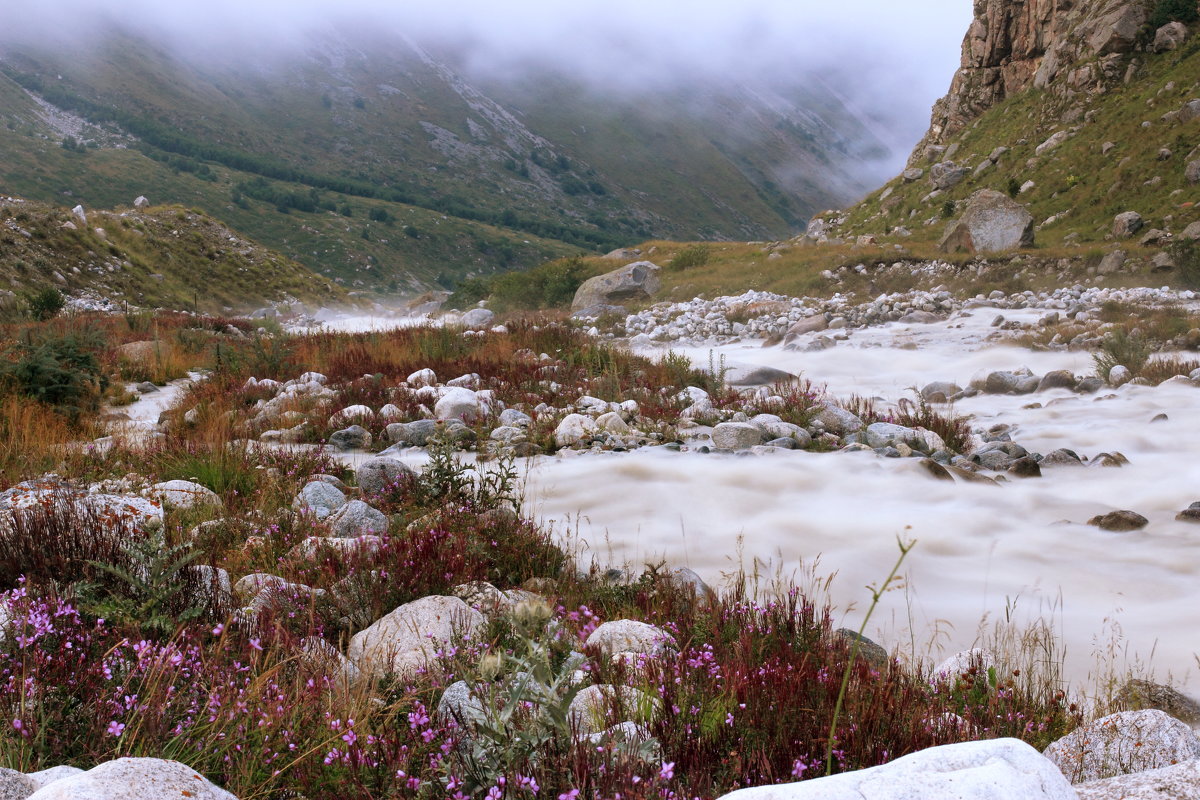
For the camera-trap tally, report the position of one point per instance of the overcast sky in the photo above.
(896, 57)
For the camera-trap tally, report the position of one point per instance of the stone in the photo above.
(457, 402)
(612, 422)
(134, 779)
(947, 175)
(1001, 382)
(813, 324)
(574, 429)
(884, 434)
(79, 214)
(356, 437)
(46, 777)
(684, 577)
(636, 281)
(1061, 457)
(995, 769)
(477, 319)
(16, 785)
(319, 654)
(1111, 262)
(405, 640)
(355, 519)
(630, 636)
(868, 650)
(1119, 521)
(422, 377)
(1192, 231)
(1170, 36)
(1178, 782)
(1192, 172)
(939, 391)
(415, 434)
(514, 418)
(376, 474)
(460, 705)
(140, 201)
(1057, 379)
(1025, 467)
(185, 495)
(976, 661)
(838, 420)
(117, 513)
(1123, 743)
(992, 222)
(1054, 141)
(1127, 224)
(319, 499)
(1119, 375)
(597, 708)
(1139, 694)
(913, 174)
(736, 436)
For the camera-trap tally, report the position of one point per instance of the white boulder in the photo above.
(406, 640)
(133, 779)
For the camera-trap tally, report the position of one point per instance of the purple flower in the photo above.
(667, 771)
(116, 728)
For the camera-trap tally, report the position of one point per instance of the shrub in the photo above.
(1173, 11)
(1120, 347)
(695, 256)
(1186, 253)
(45, 303)
(61, 371)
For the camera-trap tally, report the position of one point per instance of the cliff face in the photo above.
(1065, 46)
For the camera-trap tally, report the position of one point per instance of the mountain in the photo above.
(377, 162)
(1080, 110)
(156, 256)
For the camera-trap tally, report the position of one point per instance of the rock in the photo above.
(947, 175)
(1170, 36)
(460, 705)
(939, 391)
(405, 640)
(1119, 521)
(996, 769)
(597, 708)
(1112, 262)
(1025, 467)
(1139, 694)
(140, 201)
(185, 495)
(1193, 231)
(80, 214)
(992, 222)
(1119, 375)
(1127, 224)
(415, 434)
(319, 499)
(758, 376)
(1123, 743)
(977, 661)
(477, 318)
(868, 650)
(612, 422)
(636, 281)
(736, 436)
(356, 437)
(355, 519)
(16, 785)
(1057, 379)
(139, 352)
(1054, 141)
(1192, 173)
(935, 470)
(319, 654)
(348, 413)
(117, 513)
(1061, 457)
(1189, 514)
(376, 474)
(249, 586)
(813, 324)
(457, 402)
(1001, 383)
(885, 434)
(422, 377)
(838, 420)
(46, 777)
(134, 779)
(1178, 782)
(913, 174)
(574, 429)
(682, 576)
(630, 636)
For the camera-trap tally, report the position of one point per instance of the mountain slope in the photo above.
(158, 256)
(386, 121)
(1071, 108)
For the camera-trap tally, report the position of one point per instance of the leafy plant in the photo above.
(45, 303)
(1173, 11)
(1122, 348)
(62, 371)
(694, 256)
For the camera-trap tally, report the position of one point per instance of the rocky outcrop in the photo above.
(636, 281)
(1060, 45)
(992, 222)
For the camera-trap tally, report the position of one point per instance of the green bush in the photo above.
(550, 285)
(1186, 253)
(1173, 11)
(45, 303)
(61, 371)
(695, 256)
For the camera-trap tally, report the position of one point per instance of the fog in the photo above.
(889, 60)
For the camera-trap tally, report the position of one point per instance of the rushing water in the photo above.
(1020, 550)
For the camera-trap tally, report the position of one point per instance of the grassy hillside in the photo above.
(1079, 187)
(160, 256)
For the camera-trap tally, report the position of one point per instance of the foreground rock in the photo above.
(998, 769)
(406, 640)
(134, 779)
(992, 222)
(1180, 782)
(1124, 743)
(636, 281)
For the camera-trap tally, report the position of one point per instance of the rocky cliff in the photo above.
(1065, 46)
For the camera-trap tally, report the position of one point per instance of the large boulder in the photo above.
(736, 436)
(457, 402)
(406, 640)
(630, 636)
(1126, 224)
(1123, 743)
(133, 779)
(477, 318)
(996, 769)
(1192, 172)
(636, 281)
(992, 222)
(184, 495)
(1180, 782)
(573, 429)
(319, 499)
(376, 474)
(947, 174)
(356, 519)
(1170, 36)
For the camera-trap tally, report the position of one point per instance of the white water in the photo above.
(1020, 550)
(980, 548)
